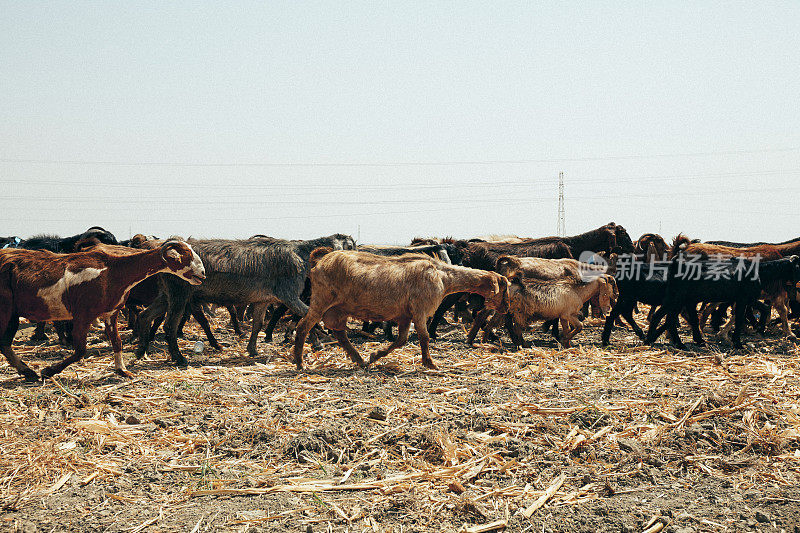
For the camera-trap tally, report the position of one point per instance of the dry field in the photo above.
(626, 439)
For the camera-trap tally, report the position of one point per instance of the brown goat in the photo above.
(81, 287)
(549, 295)
(406, 288)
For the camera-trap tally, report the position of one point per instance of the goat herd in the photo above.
(508, 281)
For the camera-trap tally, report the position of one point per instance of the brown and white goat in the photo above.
(554, 290)
(406, 288)
(81, 287)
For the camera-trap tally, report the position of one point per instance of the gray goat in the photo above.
(260, 270)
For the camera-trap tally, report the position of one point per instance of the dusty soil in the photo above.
(628, 438)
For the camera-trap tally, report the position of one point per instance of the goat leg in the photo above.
(276, 315)
(13, 359)
(690, 314)
(303, 327)
(234, 320)
(655, 331)
(200, 316)
(259, 311)
(39, 334)
(514, 329)
(171, 322)
(112, 334)
(403, 327)
(146, 323)
(447, 302)
(424, 343)
(79, 331)
(349, 349)
(671, 325)
(477, 324)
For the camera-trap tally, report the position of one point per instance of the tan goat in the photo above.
(406, 288)
(558, 292)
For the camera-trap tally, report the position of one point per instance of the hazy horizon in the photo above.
(401, 119)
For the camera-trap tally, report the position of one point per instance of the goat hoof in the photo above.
(31, 376)
(123, 373)
(428, 363)
(180, 362)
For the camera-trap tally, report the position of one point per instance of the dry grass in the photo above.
(540, 438)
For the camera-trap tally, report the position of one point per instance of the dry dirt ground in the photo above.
(585, 439)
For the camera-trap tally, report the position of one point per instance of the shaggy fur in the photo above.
(261, 271)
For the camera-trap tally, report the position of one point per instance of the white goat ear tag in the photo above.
(172, 253)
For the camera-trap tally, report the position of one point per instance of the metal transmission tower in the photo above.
(562, 232)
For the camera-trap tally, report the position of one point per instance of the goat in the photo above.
(558, 291)
(681, 291)
(438, 251)
(63, 245)
(40, 285)
(261, 271)
(608, 238)
(647, 285)
(775, 292)
(651, 246)
(748, 244)
(406, 288)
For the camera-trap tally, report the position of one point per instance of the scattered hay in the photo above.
(576, 434)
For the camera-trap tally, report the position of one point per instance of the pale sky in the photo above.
(301, 119)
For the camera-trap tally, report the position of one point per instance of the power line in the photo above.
(87, 162)
(157, 202)
(561, 231)
(341, 188)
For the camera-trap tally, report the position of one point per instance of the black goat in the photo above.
(646, 285)
(681, 291)
(238, 272)
(65, 245)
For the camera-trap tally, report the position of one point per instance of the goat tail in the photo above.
(678, 243)
(319, 253)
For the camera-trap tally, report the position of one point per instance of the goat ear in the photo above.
(495, 285)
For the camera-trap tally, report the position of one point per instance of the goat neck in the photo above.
(462, 279)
